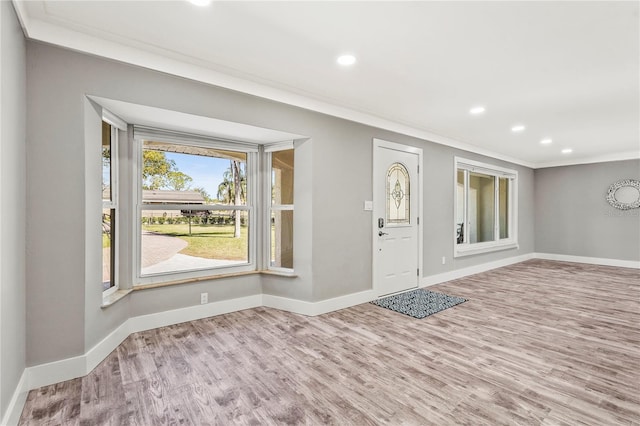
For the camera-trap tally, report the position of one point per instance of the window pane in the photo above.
(183, 174)
(282, 239)
(398, 195)
(106, 162)
(503, 203)
(282, 177)
(108, 248)
(460, 207)
(186, 240)
(481, 208)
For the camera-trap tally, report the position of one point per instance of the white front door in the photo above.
(396, 209)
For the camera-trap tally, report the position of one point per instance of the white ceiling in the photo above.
(569, 71)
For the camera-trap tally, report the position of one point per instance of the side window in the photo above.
(109, 207)
(281, 210)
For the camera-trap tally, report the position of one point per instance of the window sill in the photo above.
(114, 297)
(484, 248)
(288, 274)
(211, 278)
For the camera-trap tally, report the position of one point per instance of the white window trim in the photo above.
(190, 139)
(113, 204)
(252, 174)
(113, 120)
(466, 249)
(268, 208)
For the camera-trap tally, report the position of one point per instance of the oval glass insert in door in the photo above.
(398, 195)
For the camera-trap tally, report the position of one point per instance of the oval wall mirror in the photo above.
(624, 194)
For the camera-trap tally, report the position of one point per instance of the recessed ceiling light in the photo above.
(567, 151)
(477, 110)
(546, 141)
(200, 2)
(346, 60)
(517, 128)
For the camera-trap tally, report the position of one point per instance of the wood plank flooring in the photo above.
(537, 343)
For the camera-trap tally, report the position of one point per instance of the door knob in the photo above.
(380, 233)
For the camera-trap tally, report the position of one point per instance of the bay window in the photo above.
(184, 205)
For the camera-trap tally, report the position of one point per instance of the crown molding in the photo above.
(39, 30)
(618, 156)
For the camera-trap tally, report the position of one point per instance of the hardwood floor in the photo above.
(537, 343)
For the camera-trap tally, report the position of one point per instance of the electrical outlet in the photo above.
(444, 260)
(204, 298)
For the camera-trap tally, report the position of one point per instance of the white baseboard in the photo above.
(471, 270)
(79, 366)
(342, 302)
(191, 313)
(14, 409)
(70, 368)
(285, 304)
(590, 260)
(317, 308)
(56, 371)
(102, 349)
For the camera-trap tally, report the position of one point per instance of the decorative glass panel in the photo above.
(398, 203)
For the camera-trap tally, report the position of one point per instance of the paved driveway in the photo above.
(157, 248)
(160, 253)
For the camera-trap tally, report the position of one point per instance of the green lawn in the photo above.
(106, 242)
(207, 241)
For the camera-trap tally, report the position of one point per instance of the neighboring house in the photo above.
(162, 196)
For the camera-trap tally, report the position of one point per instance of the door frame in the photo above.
(377, 144)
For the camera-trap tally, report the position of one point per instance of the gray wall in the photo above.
(63, 304)
(574, 218)
(64, 317)
(345, 157)
(12, 203)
